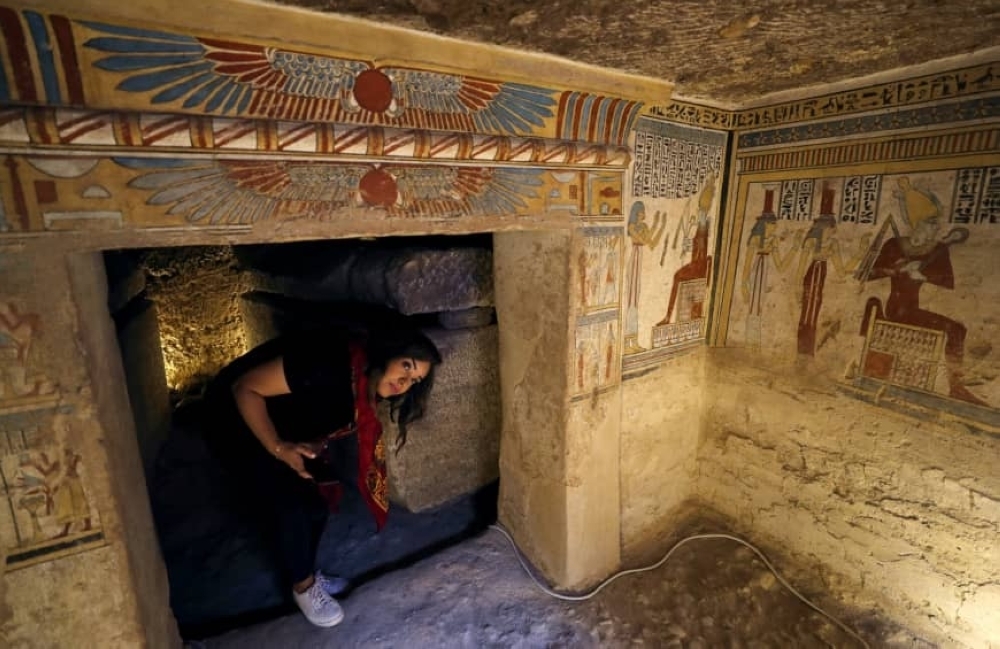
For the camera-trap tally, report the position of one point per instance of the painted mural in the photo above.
(130, 66)
(597, 272)
(59, 193)
(878, 272)
(667, 276)
(85, 129)
(47, 511)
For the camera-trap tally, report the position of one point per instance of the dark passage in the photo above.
(221, 573)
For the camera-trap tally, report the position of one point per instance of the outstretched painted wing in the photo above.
(241, 192)
(463, 191)
(227, 77)
(224, 76)
(454, 102)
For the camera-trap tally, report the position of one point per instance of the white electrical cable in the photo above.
(599, 587)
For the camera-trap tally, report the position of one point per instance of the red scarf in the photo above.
(372, 480)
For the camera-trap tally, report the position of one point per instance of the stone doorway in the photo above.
(181, 313)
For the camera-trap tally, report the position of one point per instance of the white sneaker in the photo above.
(318, 607)
(332, 584)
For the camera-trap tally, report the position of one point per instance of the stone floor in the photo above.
(711, 593)
(222, 574)
(442, 578)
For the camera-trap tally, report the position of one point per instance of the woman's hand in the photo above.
(294, 455)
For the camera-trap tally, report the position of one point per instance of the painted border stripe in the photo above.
(17, 54)
(46, 62)
(67, 52)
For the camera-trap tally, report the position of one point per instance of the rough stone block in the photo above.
(409, 279)
(142, 358)
(455, 448)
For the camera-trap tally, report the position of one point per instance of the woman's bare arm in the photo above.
(249, 392)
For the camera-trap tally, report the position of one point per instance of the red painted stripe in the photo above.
(159, 123)
(79, 119)
(296, 135)
(562, 113)
(349, 139)
(149, 137)
(66, 138)
(524, 146)
(442, 144)
(229, 47)
(595, 115)
(577, 113)
(17, 52)
(487, 144)
(233, 133)
(398, 142)
(67, 53)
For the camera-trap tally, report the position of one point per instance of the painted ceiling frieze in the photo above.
(220, 77)
(56, 192)
(894, 148)
(920, 117)
(246, 191)
(965, 83)
(91, 128)
(56, 61)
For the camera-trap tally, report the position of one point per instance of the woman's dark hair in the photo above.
(388, 343)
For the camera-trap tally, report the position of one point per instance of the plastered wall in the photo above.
(66, 468)
(851, 411)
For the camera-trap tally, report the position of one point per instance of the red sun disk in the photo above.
(378, 188)
(373, 91)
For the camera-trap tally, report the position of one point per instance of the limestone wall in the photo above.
(70, 461)
(532, 275)
(853, 417)
(670, 233)
(884, 512)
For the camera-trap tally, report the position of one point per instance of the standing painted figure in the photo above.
(641, 235)
(765, 247)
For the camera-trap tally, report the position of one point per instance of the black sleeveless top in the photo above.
(318, 372)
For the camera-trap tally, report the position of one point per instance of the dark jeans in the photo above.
(288, 508)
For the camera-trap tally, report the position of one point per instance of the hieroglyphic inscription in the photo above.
(934, 87)
(976, 196)
(860, 204)
(695, 115)
(672, 161)
(968, 183)
(796, 199)
(989, 202)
